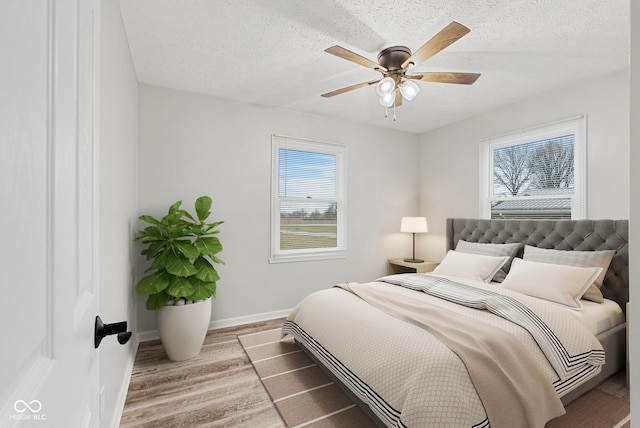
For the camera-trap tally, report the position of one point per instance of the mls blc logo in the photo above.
(28, 411)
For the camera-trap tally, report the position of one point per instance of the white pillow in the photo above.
(490, 249)
(470, 266)
(558, 283)
(575, 258)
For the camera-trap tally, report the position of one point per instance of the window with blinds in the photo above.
(308, 205)
(536, 174)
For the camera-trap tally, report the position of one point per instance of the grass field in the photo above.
(294, 237)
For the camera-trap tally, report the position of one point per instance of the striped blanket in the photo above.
(409, 376)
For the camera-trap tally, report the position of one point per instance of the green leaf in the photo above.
(155, 231)
(149, 239)
(149, 219)
(178, 231)
(175, 207)
(208, 246)
(153, 249)
(156, 301)
(217, 260)
(197, 230)
(214, 225)
(206, 272)
(203, 207)
(179, 287)
(173, 219)
(201, 289)
(154, 283)
(179, 265)
(209, 232)
(186, 214)
(159, 260)
(187, 249)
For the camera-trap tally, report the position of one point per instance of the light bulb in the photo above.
(385, 86)
(409, 90)
(387, 100)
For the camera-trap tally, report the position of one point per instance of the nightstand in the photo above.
(400, 266)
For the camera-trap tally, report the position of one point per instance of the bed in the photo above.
(446, 349)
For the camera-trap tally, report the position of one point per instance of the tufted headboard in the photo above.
(579, 235)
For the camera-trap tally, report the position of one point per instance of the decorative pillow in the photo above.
(491, 250)
(558, 283)
(470, 266)
(600, 259)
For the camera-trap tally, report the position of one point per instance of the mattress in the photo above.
(599, 317)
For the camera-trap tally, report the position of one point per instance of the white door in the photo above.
(48, 363)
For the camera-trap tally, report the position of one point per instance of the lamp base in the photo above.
(413, 260)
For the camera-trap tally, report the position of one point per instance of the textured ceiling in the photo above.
(271, 52)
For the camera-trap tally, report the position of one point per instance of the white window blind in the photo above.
(536, 173)
(308, 206)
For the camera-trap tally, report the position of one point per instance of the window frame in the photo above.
(576, 126)
(340, 151)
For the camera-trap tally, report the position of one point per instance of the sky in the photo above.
(307, 175)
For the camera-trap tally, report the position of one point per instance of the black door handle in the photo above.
(101, 330)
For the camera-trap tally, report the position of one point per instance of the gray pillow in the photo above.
(491, 250)
(575, 258)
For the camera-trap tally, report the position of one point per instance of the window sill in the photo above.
(308, 257)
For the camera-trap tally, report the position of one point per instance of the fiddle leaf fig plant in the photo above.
(183, 251)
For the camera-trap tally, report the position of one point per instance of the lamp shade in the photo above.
(409, 90)
(414, 225)
(385, 86)
(387, 100)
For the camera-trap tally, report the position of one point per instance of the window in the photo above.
(308, 209)
(537, 173)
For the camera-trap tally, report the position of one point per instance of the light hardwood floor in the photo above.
(218, 388)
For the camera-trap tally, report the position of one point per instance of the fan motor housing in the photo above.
(392, 57)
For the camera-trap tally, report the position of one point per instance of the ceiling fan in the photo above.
(394, 62)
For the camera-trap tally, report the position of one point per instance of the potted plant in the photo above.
(183, 251)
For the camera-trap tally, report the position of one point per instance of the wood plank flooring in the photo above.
(218, 388)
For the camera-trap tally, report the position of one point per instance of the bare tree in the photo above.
(551, 166)
(511, 167)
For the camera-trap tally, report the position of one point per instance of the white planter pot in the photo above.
(183, 328)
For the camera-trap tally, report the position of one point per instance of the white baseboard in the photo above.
(145, 336)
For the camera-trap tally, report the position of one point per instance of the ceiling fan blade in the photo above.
(343, 53)
(444, 38)
(350, 88)
(444, 77)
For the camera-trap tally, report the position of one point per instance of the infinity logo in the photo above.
(22, 406)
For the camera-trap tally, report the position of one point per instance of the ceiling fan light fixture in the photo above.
(387, 100)
(396, 64)
(385, 86)
(409, 90)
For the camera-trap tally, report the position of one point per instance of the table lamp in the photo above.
(414, 225)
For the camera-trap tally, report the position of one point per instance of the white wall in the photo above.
(449, 156)
(118, 203)
(193, 145)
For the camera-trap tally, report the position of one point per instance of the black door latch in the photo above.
(102, 330)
